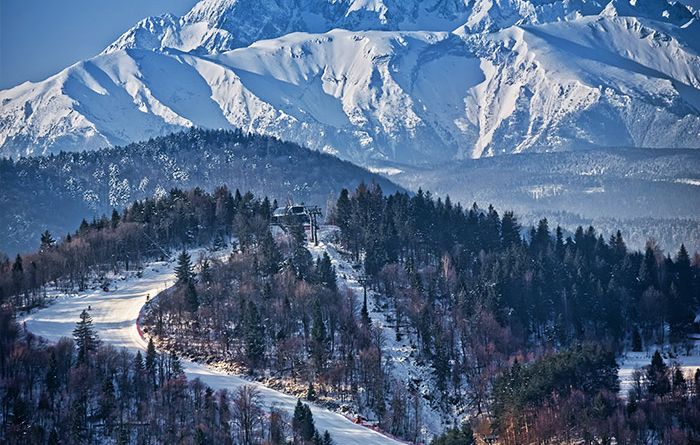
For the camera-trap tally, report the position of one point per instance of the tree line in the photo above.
(78, 391)
(147, 229)
(522, 326)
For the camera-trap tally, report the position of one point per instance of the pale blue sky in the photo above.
(39, 38)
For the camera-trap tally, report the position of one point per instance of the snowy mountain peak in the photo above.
(383, 80)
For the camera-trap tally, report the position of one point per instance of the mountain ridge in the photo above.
(68, 187)
(402, 82)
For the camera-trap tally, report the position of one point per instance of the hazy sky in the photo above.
(39, 38)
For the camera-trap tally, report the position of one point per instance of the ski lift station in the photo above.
(294, 214)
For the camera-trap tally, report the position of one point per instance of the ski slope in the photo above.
(114, 316)
(633, 361)
(399, 354)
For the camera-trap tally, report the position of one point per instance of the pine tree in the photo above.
(191, 298)
(52, 381)
(326, 272)
(271, 256)
(116, 218)
(86, 338)
(151, 357)
(303, 423)
(657, 374)
(319, 339)
(183, 270)
(47, 241)
(327, 439)
(254, 335)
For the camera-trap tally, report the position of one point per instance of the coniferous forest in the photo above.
(520, 328)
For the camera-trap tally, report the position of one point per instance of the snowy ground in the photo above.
(114, 316)
(399, 353)
(632, 361)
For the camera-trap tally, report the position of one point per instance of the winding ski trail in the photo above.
(114, 316)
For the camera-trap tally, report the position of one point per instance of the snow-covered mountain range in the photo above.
(383, 80)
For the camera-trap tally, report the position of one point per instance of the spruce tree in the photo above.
(636, 340)
(151, 357)
(47, 241)
(183, 270)
(365, 320)
(455, 436)
(175, 365)
(648, 271)
(657, 374)
(18, 274)
(107, 402)
(205, 271)
(319, 339)
(116, 218)
(254, 335)
(311, 393)
(343, 210)
(327, 439)
(303, 423)
(679, 383)
(52, 381)
(682, 301)
(86, 338)
(326, 272)
(271, 256)
(191, 297)
(510, 230)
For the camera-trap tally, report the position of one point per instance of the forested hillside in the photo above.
(147, 229)
(517, 331)
(644, 193)
(55, 192)
(79, 392)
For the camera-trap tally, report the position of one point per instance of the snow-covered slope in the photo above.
(115, 316)
(407, 81)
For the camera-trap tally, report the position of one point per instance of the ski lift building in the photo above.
(292, 215)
